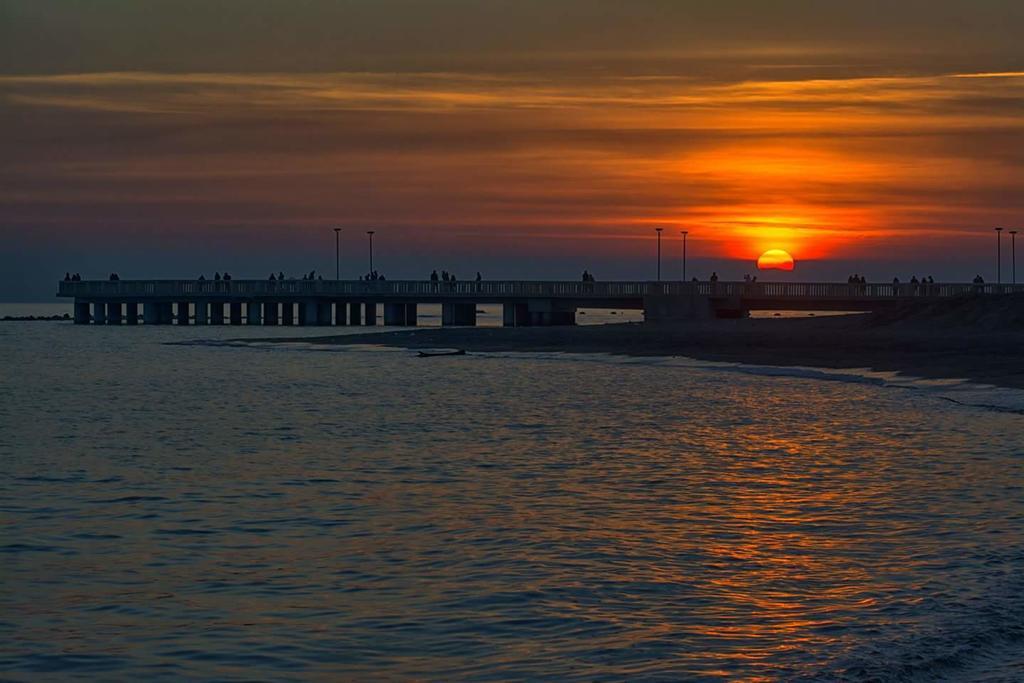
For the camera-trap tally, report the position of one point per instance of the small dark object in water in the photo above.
(431, 354)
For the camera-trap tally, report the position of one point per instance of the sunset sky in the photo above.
(520, 138)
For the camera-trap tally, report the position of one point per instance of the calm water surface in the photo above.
(288, 513)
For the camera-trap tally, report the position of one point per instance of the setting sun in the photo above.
(775, 259)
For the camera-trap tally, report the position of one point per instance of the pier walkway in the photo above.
(525, 302)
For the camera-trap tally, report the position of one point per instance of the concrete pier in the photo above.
(463, 315)
(323, 302)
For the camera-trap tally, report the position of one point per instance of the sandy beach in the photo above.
(930, 344)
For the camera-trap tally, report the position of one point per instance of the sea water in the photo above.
(295, 512)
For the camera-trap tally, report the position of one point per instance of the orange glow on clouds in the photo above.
(821, 168)
(775, 259)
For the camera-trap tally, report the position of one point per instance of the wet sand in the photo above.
(927, 349)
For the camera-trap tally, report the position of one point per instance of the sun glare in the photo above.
(775, 259)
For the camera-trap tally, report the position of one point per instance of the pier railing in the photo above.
(469, 289)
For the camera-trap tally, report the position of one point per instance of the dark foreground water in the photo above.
(231, 512)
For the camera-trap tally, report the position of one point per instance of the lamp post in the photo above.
(658, 230)
(370, 233)
(999, 256)
(337, 253)
(1013, 252)
(684, 233)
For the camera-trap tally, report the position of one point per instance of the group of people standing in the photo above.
(449, 277)
(217, 277)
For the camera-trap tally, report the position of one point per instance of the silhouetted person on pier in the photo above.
(280, 276)
(433, 276)
(202, 278)
(216, 276)
(478, 278)
(272, 278)
(115, 276)
(67, 277)
(226, 276)
(714, 277)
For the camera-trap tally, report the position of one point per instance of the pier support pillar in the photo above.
(370, 314)
(217, 313)
(131, 313)
(411, 315)
(340, 313)
(516, 315)
(235, 308)
(99, 313)
(202, 312)
(81, 312)
(355, 313)
(253, 312)
(659, 308)
(165, 312)
(270, 313)
(183, 312)
(545, 313)
(463, 315)
(307, 313)
(288, 313)
(150, 313)
(394, 315)
(323, 313)
(114, 313)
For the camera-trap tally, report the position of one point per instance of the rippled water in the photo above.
(293, 513)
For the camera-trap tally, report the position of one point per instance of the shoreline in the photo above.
(847, 342)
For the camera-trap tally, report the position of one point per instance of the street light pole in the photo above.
(999, 256)
(1013, 251)
(658, 230)
(684, 233)
(337, 253)
(370, 233)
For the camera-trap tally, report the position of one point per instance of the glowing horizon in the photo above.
(831, 151)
